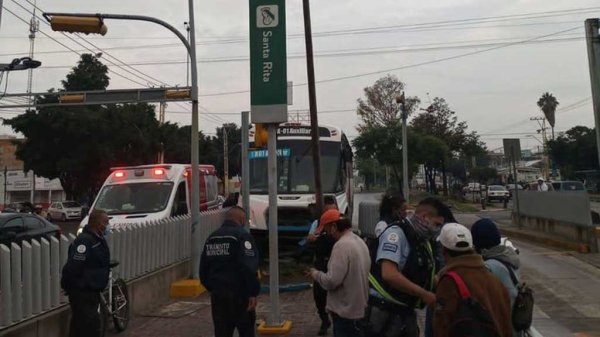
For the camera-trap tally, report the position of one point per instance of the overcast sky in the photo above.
(490, 84)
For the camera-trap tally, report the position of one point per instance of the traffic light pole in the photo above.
(191, 48)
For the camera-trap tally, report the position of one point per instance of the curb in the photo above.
(186, 289)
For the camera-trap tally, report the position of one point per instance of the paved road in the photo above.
(567, 290)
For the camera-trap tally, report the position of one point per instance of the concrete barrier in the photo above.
(564, 215)
(368, 216)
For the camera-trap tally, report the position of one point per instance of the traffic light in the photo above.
(71, 98)
(261, 135)
(78, 24)
(178, 94)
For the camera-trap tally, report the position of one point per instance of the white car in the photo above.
(497, 192)
(63, 211)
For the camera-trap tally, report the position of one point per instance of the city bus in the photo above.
(295, 181)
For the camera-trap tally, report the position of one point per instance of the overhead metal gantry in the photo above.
(120, 96)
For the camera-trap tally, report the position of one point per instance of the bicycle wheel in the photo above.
(120, 305)
(103, 313)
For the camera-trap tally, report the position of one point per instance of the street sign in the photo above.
(512, 148)
(268, 62)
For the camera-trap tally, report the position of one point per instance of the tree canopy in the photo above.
(79, 145)
(435, 136)
(574, 150)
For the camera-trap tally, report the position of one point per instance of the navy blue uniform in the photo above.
(228, 269)
(84, 276)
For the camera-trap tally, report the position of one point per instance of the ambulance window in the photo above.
(180, 202)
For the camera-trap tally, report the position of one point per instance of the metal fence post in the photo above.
(27, 291)
(36, 277)
(45, 274)
(5, 286)
(17, 291)
(55, 267)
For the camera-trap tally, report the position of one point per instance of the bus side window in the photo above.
(180, 203)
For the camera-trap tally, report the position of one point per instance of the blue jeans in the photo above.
(343, 327)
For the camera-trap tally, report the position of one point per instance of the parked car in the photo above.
(568, 186)
(497, 192)
(511, 188)
(19, 207)
(63, 211)
(17, 227)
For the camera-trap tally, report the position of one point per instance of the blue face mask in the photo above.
(107, 230)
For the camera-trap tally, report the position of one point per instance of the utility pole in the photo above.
(593, 46)
(225, 163)
(1, 13)
(546, 158)
(404, 115)
(312, 98)
(34, 25)
(161, 121)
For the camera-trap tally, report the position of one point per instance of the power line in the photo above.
(401, 48)
(345, 53)
(71, 49)
(415, 65)
(80, 44)
(436, 25)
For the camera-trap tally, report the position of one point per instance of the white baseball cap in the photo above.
(456, 237)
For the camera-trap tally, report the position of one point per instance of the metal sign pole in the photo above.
(246, 165)
(274, 317)
(516, 182)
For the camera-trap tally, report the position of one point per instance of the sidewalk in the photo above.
(192, 317)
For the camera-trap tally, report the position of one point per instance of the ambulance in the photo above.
(153, 192)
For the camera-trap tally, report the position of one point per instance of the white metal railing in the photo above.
(30, 272)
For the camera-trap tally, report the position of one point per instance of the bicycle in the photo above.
(114, 301)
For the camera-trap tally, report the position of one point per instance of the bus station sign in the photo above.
(268, 63)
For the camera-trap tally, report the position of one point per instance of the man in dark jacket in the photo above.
(228, 270)
(85, 275)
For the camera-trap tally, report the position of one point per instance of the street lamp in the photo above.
(23, 63)
(94, 24)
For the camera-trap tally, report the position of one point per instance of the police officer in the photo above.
(402, 278)
(228, 270)
(85, 275)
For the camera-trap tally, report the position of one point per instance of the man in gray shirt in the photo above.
(346, 280)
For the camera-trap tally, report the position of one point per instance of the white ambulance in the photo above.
(153, 192)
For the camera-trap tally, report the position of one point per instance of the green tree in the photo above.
(379, 108)
(575, 150)
(78, 145)
(234, 144)
(440, 121)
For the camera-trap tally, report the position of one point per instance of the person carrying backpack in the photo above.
(503, 262)
(401, 278)
(470, 301)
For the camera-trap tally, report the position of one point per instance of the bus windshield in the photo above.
(295, 168)
(134, 198)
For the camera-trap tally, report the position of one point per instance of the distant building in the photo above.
(17, 185)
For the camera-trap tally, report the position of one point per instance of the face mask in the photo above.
(107, 230)
(421, 226)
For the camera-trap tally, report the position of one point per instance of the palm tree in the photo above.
(548, 104)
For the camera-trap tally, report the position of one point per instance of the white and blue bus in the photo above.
(295, 179)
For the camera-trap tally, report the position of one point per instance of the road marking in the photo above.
(535, 333)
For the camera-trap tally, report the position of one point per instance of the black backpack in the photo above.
(470, 319)
(522, 310)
